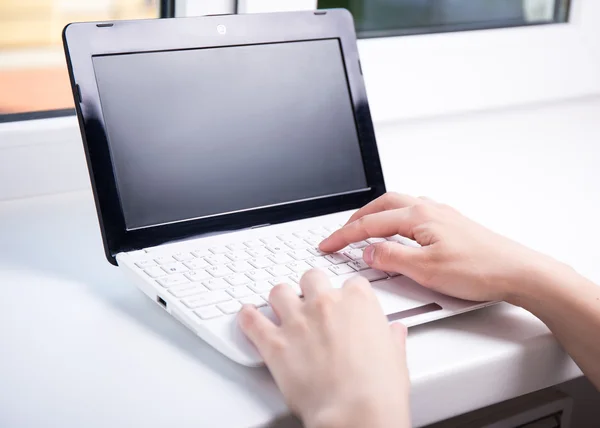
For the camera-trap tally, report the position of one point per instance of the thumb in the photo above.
(399, 333)
(392, 257)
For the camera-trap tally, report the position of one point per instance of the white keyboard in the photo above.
(217, 281)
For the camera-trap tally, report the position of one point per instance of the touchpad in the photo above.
(399, 294)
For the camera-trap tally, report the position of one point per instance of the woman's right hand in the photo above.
(457, 257)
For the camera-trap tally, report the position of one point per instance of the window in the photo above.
(377, 18)
(33, 74)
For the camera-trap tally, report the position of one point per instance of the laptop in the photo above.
(221, 151)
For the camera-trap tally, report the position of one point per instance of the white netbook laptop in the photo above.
(221, 151)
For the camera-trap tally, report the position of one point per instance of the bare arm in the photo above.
(461, 258)
(570, 306)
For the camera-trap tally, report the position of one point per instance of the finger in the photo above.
(258, 328)
(313, 283)
(382, 224)
(428, 200)
(389, 201)
(284, 301)
(395, 257)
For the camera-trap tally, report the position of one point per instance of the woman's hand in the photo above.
(334, 356)
(457, 257)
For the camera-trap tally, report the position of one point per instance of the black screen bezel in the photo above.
(82, 41)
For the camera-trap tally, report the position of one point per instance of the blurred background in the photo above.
(33, 75)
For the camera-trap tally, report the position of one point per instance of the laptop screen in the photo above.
(202, 132)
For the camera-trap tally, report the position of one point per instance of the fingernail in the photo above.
(368, 254)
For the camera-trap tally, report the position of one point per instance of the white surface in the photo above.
(258, 6)
(203, 7)
(83, 347)
(426, 75)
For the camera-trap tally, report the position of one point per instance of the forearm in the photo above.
(569, 305)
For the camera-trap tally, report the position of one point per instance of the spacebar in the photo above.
(370, 274)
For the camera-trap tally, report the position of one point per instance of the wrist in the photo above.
(364, 413)
(538, 278)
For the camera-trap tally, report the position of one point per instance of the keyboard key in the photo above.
(280, 258)
(298, 267)
(280, 280)
(358, 265)
(187, 290)
(219, 249)
(260, 262)
(237, 279)
(238, 256)
(295, 277)
(219, 271)
(287, 237)
(237, 246)
(314, 241)
(172, 280)
(253, 300)
(183, 256)
(373, 274)
(279, 248)
(145, 264)
(230, 308)
(206, 299)
(196, 264)
(332, 228)
(259, 252)
(217, 259)
(260, 287)
(163, 260)
(279, 270)
(320, 232)
(360, 244)
(303, 235)
(338, 281)
(376, 240)
(208, 312)
(341, 269)
(176, 267)
(254, 243)
(203, 252)
(337, 258)
(155, 272)
(297, 244)
(271, 242)
(198, 275)
(259, 275)
(240, 267)
(216, 284)
(318, 262)
(300, 254)
(328, 272)
(239, 292)
(316, 252)
(354, 254)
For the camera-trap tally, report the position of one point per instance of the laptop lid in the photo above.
(199, 125)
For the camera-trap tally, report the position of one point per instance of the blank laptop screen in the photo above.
(202, 132)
